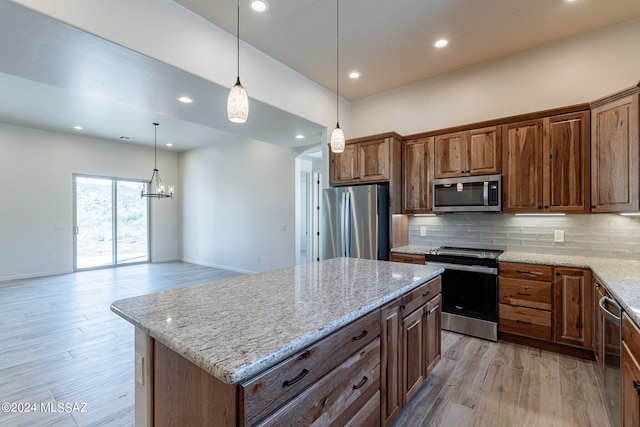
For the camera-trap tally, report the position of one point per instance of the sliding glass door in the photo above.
(111, 222)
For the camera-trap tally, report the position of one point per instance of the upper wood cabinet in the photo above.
(614, 154)
(546, 164)
(473, 152)
(370, 160)
(521, 171)
(565, 163)
(417, 175)
(366, 160)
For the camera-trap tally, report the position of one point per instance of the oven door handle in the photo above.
(609, 315)
(461, 267)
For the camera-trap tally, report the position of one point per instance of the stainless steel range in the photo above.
(469, 290)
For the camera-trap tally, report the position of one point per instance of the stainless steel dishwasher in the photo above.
(612, 359)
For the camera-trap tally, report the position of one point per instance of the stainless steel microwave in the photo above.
(468, 194)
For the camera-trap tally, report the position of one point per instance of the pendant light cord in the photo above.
(155, 146)
(337, 59)
(238, 40)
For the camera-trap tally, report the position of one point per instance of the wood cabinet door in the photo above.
(390, 367)
(614, 156)
(412, 353)
(521, 159)
(630, 388)
(573, 307)
(373, 160)
(451, 155)
(344, 166)
(433, 314)
(484, 156)
(417, 175)
(566, 171)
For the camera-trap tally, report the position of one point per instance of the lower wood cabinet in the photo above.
(573, 307)
(548, 305)
(630, 373)
(410, 324)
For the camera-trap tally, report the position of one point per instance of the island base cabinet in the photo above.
(186, 395)
(337, 397)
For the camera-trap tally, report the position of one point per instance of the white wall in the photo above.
(577, 70)
(36, 196)
(236, 197)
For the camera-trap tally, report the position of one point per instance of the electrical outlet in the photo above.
(423, 231)
(558, 236)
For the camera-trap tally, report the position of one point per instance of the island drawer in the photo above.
(525, 293)
(338, 396)
(265, 392)
(526, 271)
(421, 295)
(525, 321)
(407, 258)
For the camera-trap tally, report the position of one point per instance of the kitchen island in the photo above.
(216, 351)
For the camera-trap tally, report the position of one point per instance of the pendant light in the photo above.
(337, 136)
(238, 101)
(155, 187)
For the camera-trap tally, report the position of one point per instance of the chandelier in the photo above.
(155, 187)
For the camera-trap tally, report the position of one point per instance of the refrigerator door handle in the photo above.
(343, 224)
(348, 225)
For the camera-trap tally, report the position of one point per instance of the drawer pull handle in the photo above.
(426, 293)
(636, 386)
(302, 374)
(524, 294)
(430, 312)
(522, 321)
(363, 382)
(530, 273)
(362, 335)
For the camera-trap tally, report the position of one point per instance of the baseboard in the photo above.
(223, 267)
(34, 276)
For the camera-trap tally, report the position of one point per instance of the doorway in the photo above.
(308, 205)
(111, 222)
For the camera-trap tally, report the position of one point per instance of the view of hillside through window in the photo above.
(106, 207)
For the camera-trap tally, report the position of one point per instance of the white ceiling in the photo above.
(53, 76)
(390, 42)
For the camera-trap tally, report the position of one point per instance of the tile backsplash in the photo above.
(595, 235)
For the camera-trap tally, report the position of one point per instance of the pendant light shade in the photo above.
(238, 101)
(337, 139)
(337, 136)
(155, 188)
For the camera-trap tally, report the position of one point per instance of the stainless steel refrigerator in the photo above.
(355, 222)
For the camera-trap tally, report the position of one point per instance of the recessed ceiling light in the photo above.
(441, 43)
(259, 5)
(169, 144)
(354, 75)
(299, 136)
(570, 1)
(185, 100)
(78, 127)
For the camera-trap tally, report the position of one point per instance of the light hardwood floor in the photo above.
(60, 343)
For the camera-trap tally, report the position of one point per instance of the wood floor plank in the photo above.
(448, 413)
(580, 395)
(539, 403)
(498, 401)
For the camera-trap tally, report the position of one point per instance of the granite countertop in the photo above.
(620, 277)
(237, 328)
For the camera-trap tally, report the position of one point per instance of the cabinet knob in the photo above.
(636, 386)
